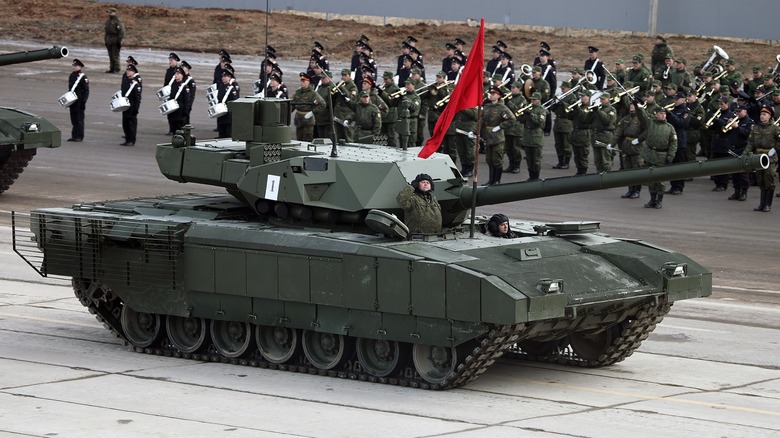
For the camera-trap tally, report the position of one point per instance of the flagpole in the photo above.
(476, 172)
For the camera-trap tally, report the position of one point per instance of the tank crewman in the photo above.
(390, 120)
(603, 125)
(563, 127)
(114, 33)
(498, 226)
(738, 136)
(180, 92)
(680, 118)
(533, 135)
(189, 80)
(661, 51)
(496, 118)
(638, 73)
(368, 121)
(226, 92)
(693, 134)
(304, 101)
(513, 135)
(581, 136)
(323, 127)
(680, 75)
(78, 82)
(410, 102)
(342, 107)
(627, 134)
(762, 140)
(132, 90)
(594, 64)
(661, 146)
(422, 212)
(437, 91)
(620, 71)
(466, 121)
(276, 88)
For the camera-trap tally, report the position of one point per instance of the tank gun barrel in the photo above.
(599, 181)
(33, 55)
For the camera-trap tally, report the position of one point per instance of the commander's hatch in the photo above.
(563, 228)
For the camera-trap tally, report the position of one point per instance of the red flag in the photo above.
(468, 93)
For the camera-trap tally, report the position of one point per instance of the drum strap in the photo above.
(76, 84)
(130, 90)
(181, 88)
(227, 93)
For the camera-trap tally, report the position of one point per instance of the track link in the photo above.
(12, 163)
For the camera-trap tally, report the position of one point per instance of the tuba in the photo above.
(712, 65)
(776, 71)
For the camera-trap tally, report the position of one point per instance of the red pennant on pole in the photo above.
(467, 93)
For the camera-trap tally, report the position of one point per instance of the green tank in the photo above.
(305, 263)
(22, 133)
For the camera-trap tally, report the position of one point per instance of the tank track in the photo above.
(12, 163)
(107, 310)
(632, 333)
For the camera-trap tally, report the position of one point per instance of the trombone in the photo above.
(522, 109)
(711, 120)
(433, 86)
(337, 89)
(730, 124)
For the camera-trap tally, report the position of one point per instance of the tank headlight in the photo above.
(549, 286)
(30, 127)
(673, 269)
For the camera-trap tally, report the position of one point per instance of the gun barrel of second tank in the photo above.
(599, 181)
(33, 55)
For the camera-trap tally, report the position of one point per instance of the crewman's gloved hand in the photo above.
(496, 129)
(635, 141)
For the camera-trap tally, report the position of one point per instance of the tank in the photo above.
(303, 263)
(21, 132)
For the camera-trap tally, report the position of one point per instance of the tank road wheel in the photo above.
(434, 363)
(381, 358)
(141, 329)
(231, 338)
(592, 346)
(277, 344)
(324, 350)
(187, 334)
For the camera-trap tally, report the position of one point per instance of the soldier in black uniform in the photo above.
(181, 94)
(679, 117)
(276, 88)
(173, 63)
(190, 82)
(132, 90)
(494, 62)
(128, 62)
(549, 74)
(226, 92)
(446, 62)
(594, 64)
(224, 57)
(720, 140)
(79, 84)
(459, 52)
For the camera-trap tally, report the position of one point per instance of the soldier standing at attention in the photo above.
(604, 120)
(409, 109)
(763, 138)
(679, 117)
(189, 81)
(304, 101)
(581, 134)
(496, 118)
(226, 92)
(389, 121)
(661, 51)
(132, 90)
(422, 212)
(514, 134)
(115, 32)
(533, 135)
(563, 127)
(367, 118)
(181, 94)
(661, 142)
(627, 134)
(79, 84)
(594, 64)
(322, 120)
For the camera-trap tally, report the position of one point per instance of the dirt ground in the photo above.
(243, 32)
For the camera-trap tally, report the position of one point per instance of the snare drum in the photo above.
(164, 93)
(218, 110)
(119, 104)
(68, 99)
(168, 107)
(116, 95)
(212, 99)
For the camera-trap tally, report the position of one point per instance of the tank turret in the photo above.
(21, 132)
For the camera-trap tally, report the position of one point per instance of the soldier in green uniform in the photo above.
(660, 148)
(422, 115)
(563, 127)
(603, 125)
(732, 74)
(409, 110)
(581, 134)
(368, 121)
(346, 98)
(389, 121)
(436, 92)
(323, 127)
(661, 51)
(664, 73)
(368, 85)
(638, 73)
(514, 133)
(114, 34)
(496, 118)
(422, 212)
(533, 135)
(696, 123)
(627, 134)
(540, 85)
(465, 120)
(680, 76)
(763, 138)
(304, 101)
(757, 80)
(620, 71)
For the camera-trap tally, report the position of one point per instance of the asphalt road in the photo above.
(711, 368)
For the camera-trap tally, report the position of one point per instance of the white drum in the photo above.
(212, 99)
(218, 110)
(68, 99)
(168, 107)
(164, 93)
(117, 95)
(119, 104)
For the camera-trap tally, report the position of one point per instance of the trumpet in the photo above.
(666, 72)
(711, 120)
(730, 124)
(337, 89)
(443, 101)
(523, 109)
(574, 105)
(630, 92)
(717, 55)
(433, 86)
(669, 107)
(398, 93)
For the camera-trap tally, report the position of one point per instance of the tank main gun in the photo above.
(55, 52)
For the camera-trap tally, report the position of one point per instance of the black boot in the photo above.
(629, 193)
(492, 172)
(515, 167)
(651, 203)
(468, 171)
(560, 163)
(742, 194)
(566, 161)
(762, 202)
(582, 170)
(533, 175)
(770, 193)
(659, 201)
(637, 189)
(497, 175)
(734, 196)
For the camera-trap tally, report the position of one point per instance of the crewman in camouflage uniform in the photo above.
(422, 212)
(541, 86)
(751, 84)
(660, 147)
(604, 120)
(114, 34)
(620, 71)
(342, 108)
(304, 101)
(390, 120)
(680, 76)
(563, 127)
(763, 138)
(496, 118)
(627, 134)
(410, 103)
(514, 133)
(638, 74)
(533, 135)
(661, 51)
(368, 121)
(732, 74)
(581, 134)
(323, 126)
(437, 92)
(466, 121)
